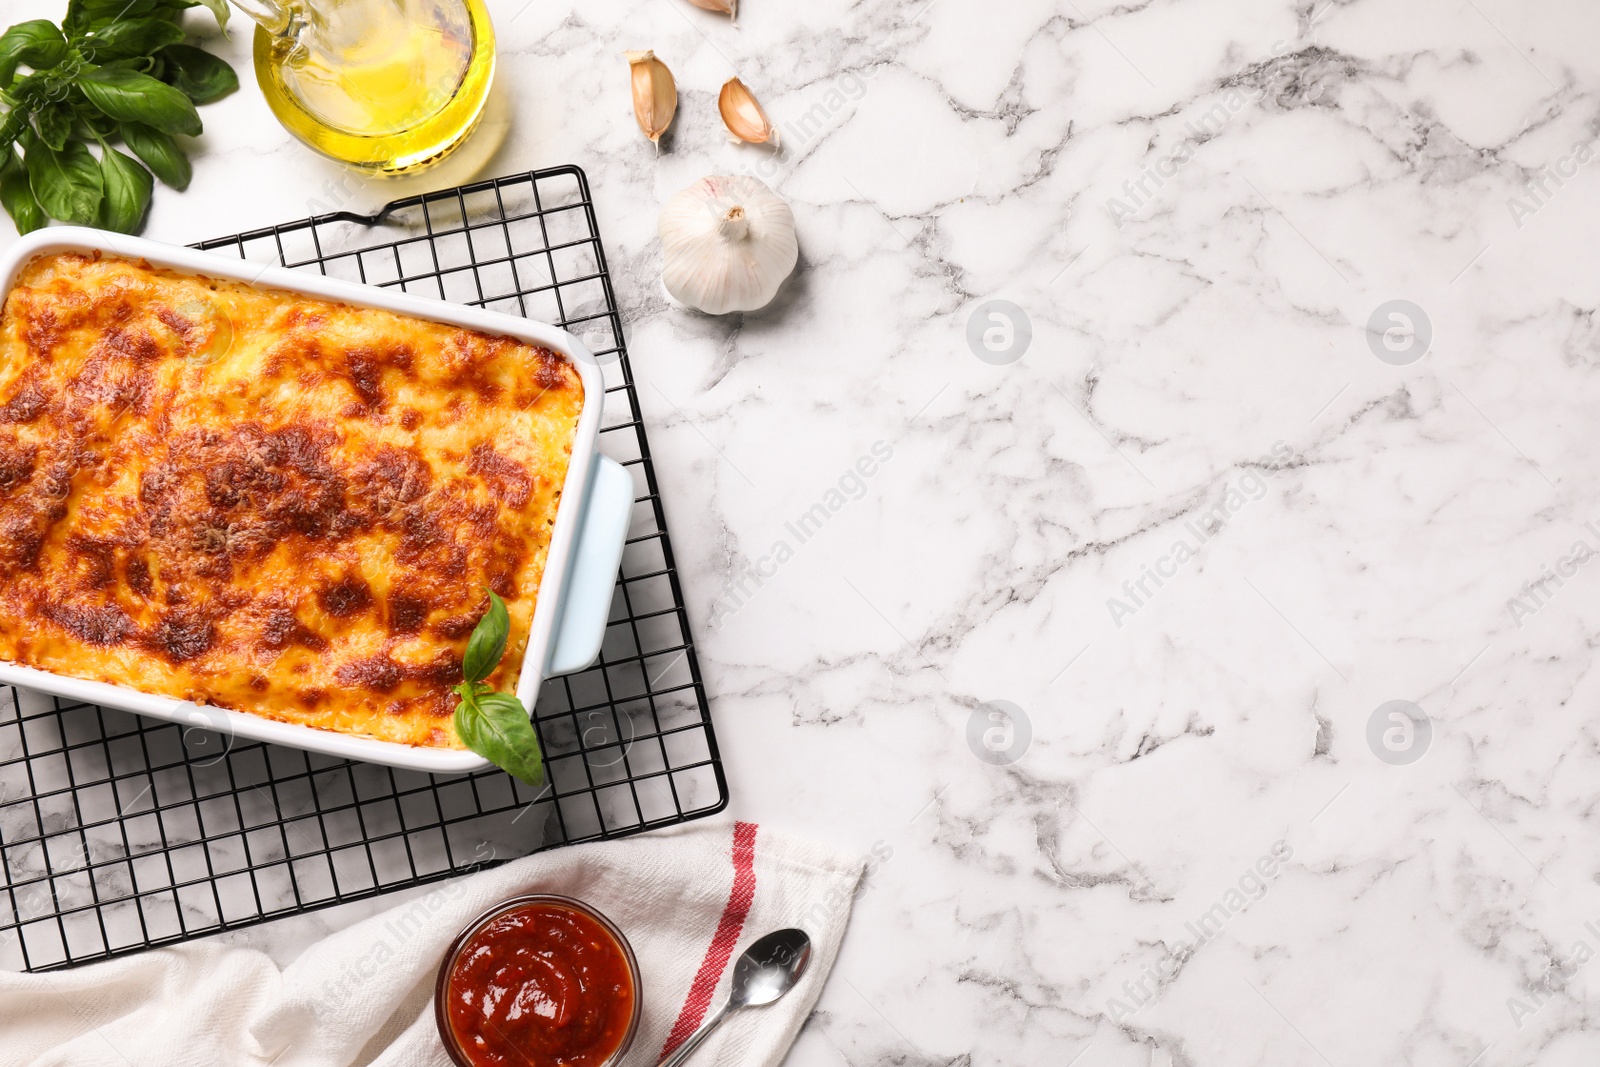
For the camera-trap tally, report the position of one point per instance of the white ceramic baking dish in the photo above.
(574, 597)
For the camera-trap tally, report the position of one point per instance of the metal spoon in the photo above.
(767, 970)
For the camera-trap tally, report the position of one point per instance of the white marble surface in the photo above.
(959, 151)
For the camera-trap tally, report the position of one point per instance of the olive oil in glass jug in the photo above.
(387, 86)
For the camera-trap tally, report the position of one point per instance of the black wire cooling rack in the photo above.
(118, 833)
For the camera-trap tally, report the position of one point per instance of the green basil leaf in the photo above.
(496, 727)
(67, 184)
(37, 43)
(43, 89)
(73, 20)
(129, 96)
(130, 38)
(103, 127)
(219, 8)
(127, 191)
(198, 74)
(159, 152)
(16, 197)
(54, 122)
(84, 16)
(487, 643)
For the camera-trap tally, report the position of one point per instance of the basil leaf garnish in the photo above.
(487, 643)
(496, 727)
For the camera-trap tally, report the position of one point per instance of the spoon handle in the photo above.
(692, 1042)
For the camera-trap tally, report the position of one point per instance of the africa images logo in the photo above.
(999, 332)
(999, 733)
(1399, 732)
(1399, 332)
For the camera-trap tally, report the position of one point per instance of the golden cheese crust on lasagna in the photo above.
(266, 502)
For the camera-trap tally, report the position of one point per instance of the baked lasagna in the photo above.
(266, 502)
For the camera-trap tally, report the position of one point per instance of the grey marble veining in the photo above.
(1102, 652)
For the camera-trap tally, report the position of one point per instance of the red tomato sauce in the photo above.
(541, 984)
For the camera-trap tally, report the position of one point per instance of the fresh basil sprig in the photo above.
(495, 725)
(112, 69)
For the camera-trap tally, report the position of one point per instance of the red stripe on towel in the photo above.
(720, 951)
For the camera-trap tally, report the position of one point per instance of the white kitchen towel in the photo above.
(687, 899)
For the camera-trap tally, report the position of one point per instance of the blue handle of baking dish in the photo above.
(597, 558)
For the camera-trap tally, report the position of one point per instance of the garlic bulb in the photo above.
(729, 8)
(743, 115)
(655, 94)
(727, 244)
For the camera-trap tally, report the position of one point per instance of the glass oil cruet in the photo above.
(387, 86)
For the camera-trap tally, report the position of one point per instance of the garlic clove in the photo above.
(727, 244)
(743, 116)
(729, 8)
(655, 94)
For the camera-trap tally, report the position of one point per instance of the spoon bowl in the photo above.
(769, 968)
(765, 971)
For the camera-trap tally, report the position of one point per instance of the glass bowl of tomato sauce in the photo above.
(538, 980)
